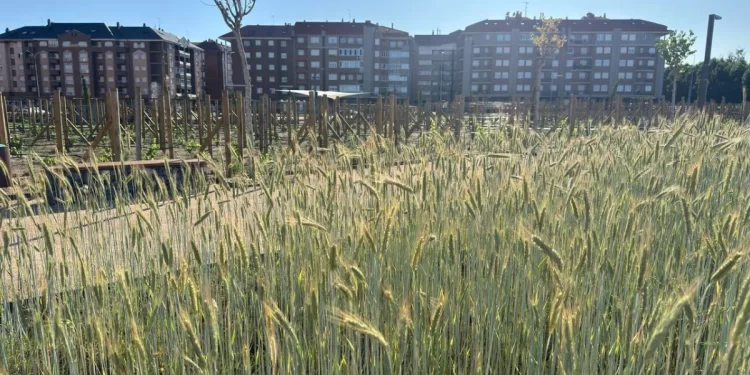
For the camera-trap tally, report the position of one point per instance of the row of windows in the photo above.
(331, 76)
(271, 79)
(55, 43)
(271, 67)
(258, 43)
(271, 55)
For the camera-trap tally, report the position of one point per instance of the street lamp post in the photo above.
(703, 83)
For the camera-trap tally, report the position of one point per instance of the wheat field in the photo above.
(623, 252)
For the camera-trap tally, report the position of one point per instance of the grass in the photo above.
(530, 253)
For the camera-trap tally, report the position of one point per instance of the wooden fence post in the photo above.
(114, 127)
(240, 115)
(4, 132)
(138, 117)
(227, 134)
(572, 115)
(58, 119)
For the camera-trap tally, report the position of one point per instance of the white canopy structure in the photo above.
(329, 94)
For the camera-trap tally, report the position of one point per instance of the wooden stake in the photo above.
(227, 135)
(138, 117)
(57, 115)
(239, 112)
(4, 133)
(114, 126)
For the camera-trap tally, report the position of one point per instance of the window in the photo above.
(501, 75)
(68, 80)
(524, 62)
(332, 77)
(648, 88)
(584, 50)
(300, 52)
(283, 80)
(271, 43)
(501, 88)
(603, 50)
(283, 43)
(555, 63)
(582, 75)
(247, 55)
(568, 88)
(525, 37)
(571, 51)
(83, 56)
(314, 52)
(83, 44)
(315, 64)
(334, 52)
(84, 68)
(474, 88)
(526, 50)
(108, 55)
(650, 75)
(601, 62)
(66, 44)
(475, 75)
(523, 87)
(283, 68)
(500, 50)
(283, 55)
(258, 67)
(581, 88)
(553, 88)
(605, 37)
(301, 76)
(524, 75)
(259, 90)
(70, 91)
(246, 43)
(651, 63)
(628, 88)
(68, 68)
(271, 55)
(259, 78)
(568, 75)
(652, 51)
(475, 63)
(628, 37)
(258, 43)
(569, 63)
(315, 39)
(501, 63)
(258, 55)
(271, 67)
(503, 37)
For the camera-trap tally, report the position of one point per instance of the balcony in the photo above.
(579, 66)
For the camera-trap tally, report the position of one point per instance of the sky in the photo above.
(198, 20)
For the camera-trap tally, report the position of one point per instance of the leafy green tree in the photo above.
(674, 49)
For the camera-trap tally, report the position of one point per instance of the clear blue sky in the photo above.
(197, 21)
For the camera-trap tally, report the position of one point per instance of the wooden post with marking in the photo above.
(58, 119)
(114, 126)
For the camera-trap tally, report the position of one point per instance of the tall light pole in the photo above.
(36, 73)
(703, 83)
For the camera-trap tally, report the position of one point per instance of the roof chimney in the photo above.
(144, 24)
(49, 22)
(391, 25)
(118, 25)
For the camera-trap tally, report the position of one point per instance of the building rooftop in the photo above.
(436, 40)
(94, 31)
(574, 25)
(262, 31)
(330, 28)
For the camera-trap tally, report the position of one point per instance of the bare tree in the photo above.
(548, 41)
(233, 12)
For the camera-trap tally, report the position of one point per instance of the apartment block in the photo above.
(217, 68)
(602, 56)
(37, 60)
(269, 54)
(436, 69)
(329, 56)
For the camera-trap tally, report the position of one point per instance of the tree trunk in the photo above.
(248, 103)
(674, 91)
(537, 92)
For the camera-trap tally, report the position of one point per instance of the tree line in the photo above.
(728, 77)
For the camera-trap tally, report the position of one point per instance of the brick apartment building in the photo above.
(328, 56)
(436, 69)
(602, 56)
(36, 60)
(269, 53)
(217, 68)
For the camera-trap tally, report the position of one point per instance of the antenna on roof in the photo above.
(526, 8)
